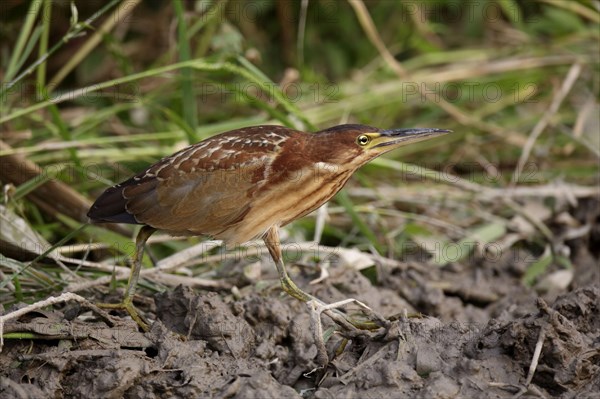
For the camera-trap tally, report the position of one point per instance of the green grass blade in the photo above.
(17, 54)
(344, 200)
(43, 45)
(35, 35)
(188, 100)
(64, 132)
(61, 242)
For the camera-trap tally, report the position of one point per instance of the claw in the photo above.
(352, 326)
(377, 321)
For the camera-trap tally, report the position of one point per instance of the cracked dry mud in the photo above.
(477, 341)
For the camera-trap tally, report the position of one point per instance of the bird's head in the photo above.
(358, 144)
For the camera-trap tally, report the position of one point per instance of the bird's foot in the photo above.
(374, 322)
(127, 305)
(351, 326)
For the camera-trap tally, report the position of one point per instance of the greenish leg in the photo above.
(136, 267)
(273, 244)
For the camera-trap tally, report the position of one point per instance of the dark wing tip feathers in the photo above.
(110, 207)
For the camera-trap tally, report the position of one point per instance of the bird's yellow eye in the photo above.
(363, 140)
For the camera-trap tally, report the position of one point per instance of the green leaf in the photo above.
(482, 235)
(74, 15)
(536, 269)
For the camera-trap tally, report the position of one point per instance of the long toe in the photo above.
(373, 322)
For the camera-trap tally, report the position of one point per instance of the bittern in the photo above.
(244, 184)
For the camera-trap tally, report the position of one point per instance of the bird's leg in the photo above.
(273, 244)
(134, 275)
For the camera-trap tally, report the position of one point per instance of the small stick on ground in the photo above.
(534, 363)
(66, 297)
(536, 355)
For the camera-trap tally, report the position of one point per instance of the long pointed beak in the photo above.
(407, 136)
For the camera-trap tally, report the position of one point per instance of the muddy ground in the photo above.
(475, 338)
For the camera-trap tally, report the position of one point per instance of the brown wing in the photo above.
(195, 203)
(200, 202)
(201, 189)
